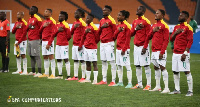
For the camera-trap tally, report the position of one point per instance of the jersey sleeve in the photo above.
(8, 25)
(166, 40)
(128, 39)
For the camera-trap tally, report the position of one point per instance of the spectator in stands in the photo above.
(193, 24)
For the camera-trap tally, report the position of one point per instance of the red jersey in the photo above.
(160, 39)
(123, 37)
(90, 39)
(62, 37)
(140, 35)
(4, 27)
(47, 31)
(78, 32)
(33, 34)
(107, 34)
(20, 33)
(184, 39)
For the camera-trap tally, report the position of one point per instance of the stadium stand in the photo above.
(129, 5)
(15, 7)
(187, 5)
(156, 4)
(97, 5)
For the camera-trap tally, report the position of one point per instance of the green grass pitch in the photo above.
(73, 93)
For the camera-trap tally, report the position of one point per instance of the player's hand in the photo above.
(160, 56)
(122, 53)
(46, 24)
(143, 51)
(76, 25)
(31, 26)
(19, 26)
(183, 57)
(60, 29)
(178, 31)
(105, 25)
(17, 44)
(87, 30)
(156, 29)
(79, 48)
(121, 29)
(47, 47)
(139, 26)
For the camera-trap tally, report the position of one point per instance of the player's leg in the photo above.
(67, 65)
(23, 47)
(120, 76)
(88, 72)
(176, 74)
(83, 69)
(165, 79)
(104, 64)
(146, 63)
(186, 65)
(3, 51)
(33, 62)
(50, 54)
(95, 71)
(125, 61)
(129, 76)
(157, 76)
(19, 69)
(46, 61)
(137, 57)
(148, 77)
(83, 64)
(7, 59)
(139, 77)
(75, 57)
(24, 64)
(53, 64)
(18, 60)
(65, 56)
(190, 83)
(111, 57)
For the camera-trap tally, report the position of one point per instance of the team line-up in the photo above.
(84, 50)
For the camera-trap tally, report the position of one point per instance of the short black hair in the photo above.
(144, 8)
(91, 15)
(162, 11)
(108, 7)
(82, 12)
(64, 13)
(185, 12)
(125, 13)
(50, 10)
(35, 8)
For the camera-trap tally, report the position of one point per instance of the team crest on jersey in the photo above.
(1, 27)
(33, 21)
